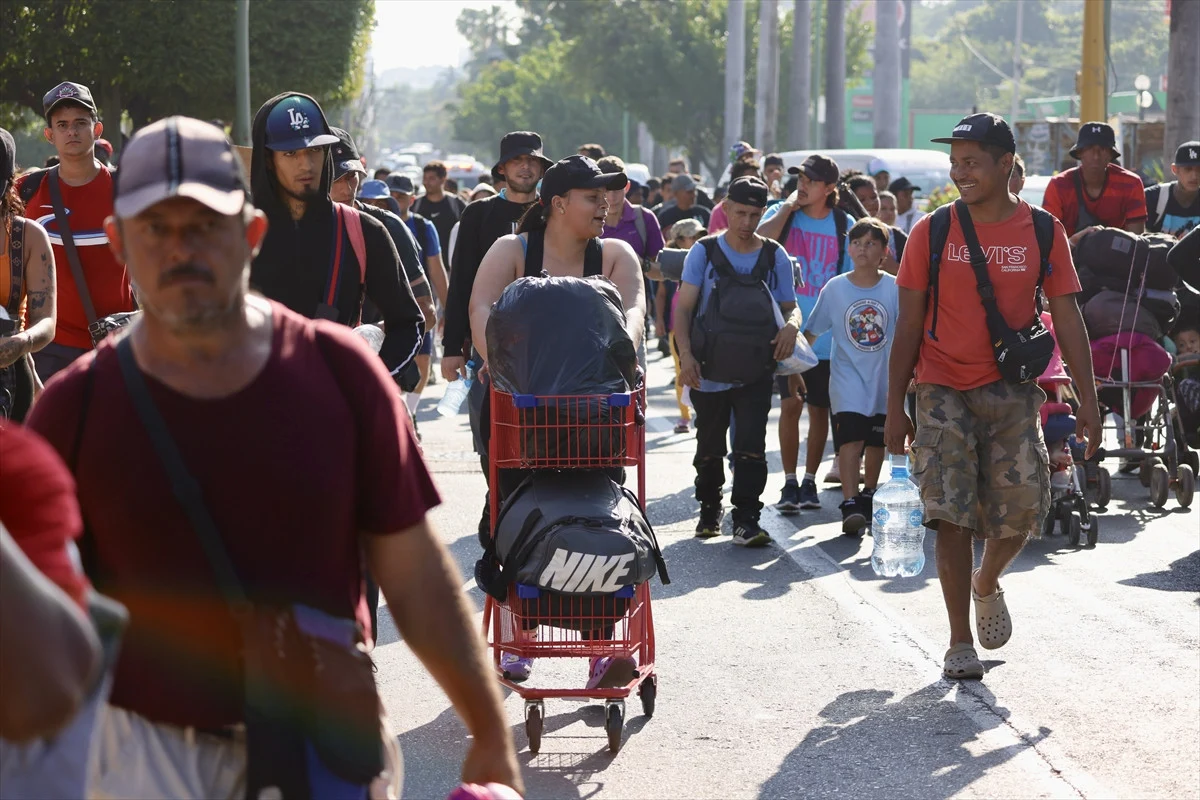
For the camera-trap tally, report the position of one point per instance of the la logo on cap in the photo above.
(298, 121)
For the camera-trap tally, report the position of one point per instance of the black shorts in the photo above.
(426, 345)
(816, 383)
(849, 427)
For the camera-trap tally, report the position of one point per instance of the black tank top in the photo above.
(535, 248)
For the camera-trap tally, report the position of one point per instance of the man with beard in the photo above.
(308, 260)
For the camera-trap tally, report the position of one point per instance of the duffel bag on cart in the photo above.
(575, 532)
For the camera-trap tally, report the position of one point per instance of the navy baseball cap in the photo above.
(1095, 133)
(578, 172)
(1188, 154)
(373, 190)
(296, 123)
(401, 184)
(985, 128)
(345, 155)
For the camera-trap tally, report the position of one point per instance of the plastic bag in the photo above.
(560, 336)
(802, 358)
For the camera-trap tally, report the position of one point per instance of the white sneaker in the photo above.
(835, 473)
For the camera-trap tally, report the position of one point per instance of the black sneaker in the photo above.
(866, 504)
(664, 346)
(789, 500)
(853, 520)
(710, 522)
(750, 534)
(808, 494)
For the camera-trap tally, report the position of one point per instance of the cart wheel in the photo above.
(647, 692)
(1160, 485)
(1147, 469)
(1192, 459)
(1048, 522)
(533, 727)
(1186, 486)
(614, 721)
(1103, 488)
(1093, 531)
(1074, 527)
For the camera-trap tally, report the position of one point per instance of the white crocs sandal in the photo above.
(962, 663)
(993, 625)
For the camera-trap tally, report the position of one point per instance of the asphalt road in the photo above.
(794, 671)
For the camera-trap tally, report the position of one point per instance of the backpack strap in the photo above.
(764, 267)
(787, 226)
(1043, 230)
(939, 233)
(30, 185)
(358, 243)
(639, 222)
(983, 282)
(593, 259)
(333, 281)
(64, 232)
(534, 252)
(841, 226)
(716, 256)
(1164, 195)
(16, 266)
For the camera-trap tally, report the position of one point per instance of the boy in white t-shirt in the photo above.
(860, 308)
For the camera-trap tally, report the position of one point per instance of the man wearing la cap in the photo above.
(73, 127)
(308, 260)
(1098, 191)
(906, 213)
(1174, 207)
(978, 454)
(295, 521)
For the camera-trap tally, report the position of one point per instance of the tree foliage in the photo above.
(153, 58)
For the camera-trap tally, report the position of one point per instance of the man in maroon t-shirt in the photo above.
(305, 461)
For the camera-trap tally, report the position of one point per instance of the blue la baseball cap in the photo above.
(373, 190)
(296, 122)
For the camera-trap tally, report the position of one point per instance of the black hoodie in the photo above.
(294, 263)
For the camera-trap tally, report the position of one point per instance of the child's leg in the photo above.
(685, 413)
(875, 457)
(849, 454)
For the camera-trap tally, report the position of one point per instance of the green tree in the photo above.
(153, 58)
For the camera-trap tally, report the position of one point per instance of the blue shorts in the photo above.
(426, 345)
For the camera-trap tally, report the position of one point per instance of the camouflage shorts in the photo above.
(980, 460)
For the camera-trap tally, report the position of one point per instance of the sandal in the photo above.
(962, 663)
(993, 625)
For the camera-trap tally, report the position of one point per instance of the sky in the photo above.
(420, 33)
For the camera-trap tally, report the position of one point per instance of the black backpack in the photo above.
(939, 233)
(731, 337)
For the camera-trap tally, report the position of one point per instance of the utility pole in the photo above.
(1016, 78)
(886, 102)
(766, 87)
(241, 131)
(735, 72)
(835, 74)
(1183, 77)
(1093, 99)
(800, 102)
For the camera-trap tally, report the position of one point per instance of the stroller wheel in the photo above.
(1147, 469)
(1185, 486)
(1103, 488)
(1160, 485)
(1074, 528)
(1093, 531)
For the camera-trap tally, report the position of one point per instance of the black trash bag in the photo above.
(560, 336)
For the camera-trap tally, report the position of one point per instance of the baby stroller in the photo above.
(1126, 317)
(1069, 474)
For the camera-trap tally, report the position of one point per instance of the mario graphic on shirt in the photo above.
(866, 325)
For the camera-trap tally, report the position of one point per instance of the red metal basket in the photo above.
(567, 431)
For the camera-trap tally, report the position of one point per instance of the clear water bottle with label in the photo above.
(898, 526)
(456, 393)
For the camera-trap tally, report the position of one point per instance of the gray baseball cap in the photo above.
(179, 157)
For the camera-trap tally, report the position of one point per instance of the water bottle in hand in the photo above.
(456, 393)
(898, 528)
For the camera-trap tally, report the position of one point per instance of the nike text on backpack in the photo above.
(732, 335)
(1022, 355)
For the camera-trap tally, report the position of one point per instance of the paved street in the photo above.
(795, 672)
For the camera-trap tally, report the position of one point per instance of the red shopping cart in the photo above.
(557, 433)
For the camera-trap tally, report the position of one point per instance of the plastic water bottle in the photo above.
(898, 529)
(456, 393)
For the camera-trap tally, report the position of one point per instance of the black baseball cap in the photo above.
(68, 92)
(296, 123)
(902, 185)
(345, 154)
(521, 143)
(1095, 133)
(817, 168)
(400, 184)
(1188, 154)
(578, 172)
(773, 160)
(749, 191)
(985, 128)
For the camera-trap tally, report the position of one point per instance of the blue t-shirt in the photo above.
(426, 235)
(813, 243)
(859, 324)
(698, 272)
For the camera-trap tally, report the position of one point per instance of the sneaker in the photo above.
(515, 668)
(611, 672)
(835, 473)
(853, 519)
(789, 500)
(664, 346)
(682, 426)
(808, 494)
(710, 522)
(750, 534)
(866, 504)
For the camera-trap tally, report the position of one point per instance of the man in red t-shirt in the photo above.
(978, 453)
(306, 464)
(1097, 192)
(73, 127)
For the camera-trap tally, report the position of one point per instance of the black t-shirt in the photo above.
(669, 215)
(1176, 219)
(443, 214)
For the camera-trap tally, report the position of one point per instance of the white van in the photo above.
(928, 169)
